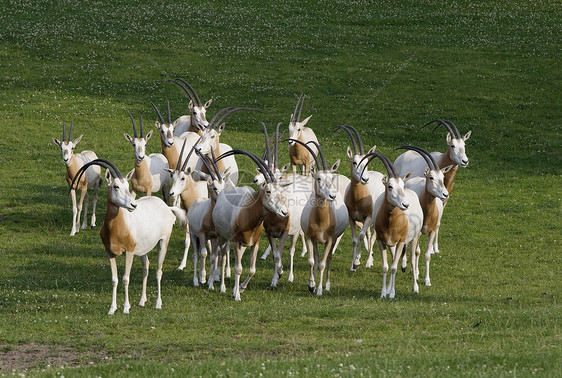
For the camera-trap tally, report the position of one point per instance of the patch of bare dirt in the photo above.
(37, 356)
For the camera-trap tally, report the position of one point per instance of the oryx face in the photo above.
(273, 200)
(120, 195)
(395, 194)
(457, 151)
(435, 183)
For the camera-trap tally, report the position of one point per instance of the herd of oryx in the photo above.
(198, 177)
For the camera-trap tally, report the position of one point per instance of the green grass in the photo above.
(385, 68)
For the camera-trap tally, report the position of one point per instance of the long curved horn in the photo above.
(387, 164)
(309, 150)
(193, 91)
(440, 122)
(294, 115)
(227, 113)
(169, 114)
(141, 127)
(454, 127)
(158, 112)
(320, 153)
(102, 163)
(358, 139)
(267, 149)
(215, 166)
(265, 170)
(63, 131)
(276, 148)
(350, 137)
(70, 132)
(181, 154)
(205, 161)
(300, 109)
(189, 154)
(184, 89)
(426, 156)
(133, 121)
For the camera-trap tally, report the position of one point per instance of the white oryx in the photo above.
(132, 227)
(431, 191)
(398, 221)
(92, 179)
(323, 220)
(298, 154)
(364, 188)
(455, 155)
(238, 218)
(149, 174)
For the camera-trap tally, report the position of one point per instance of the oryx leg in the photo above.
(238, 252)
(322, 264)
(114, 282)
(292, 255)
(356, 249)
(431, 238)
(145, 264)
(83, 202)
(74, 212)
(252, 270)
(162, 248)
(394, 267)
(128, 264)
(311, 246)
(382, 248)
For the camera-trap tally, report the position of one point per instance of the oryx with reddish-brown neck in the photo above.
(184, 191)
(149, 174)
(132, 227)
(455, 155)
(298, 154)
(323, 219)
(171, 144)
(92, 179)
(196, 120)
(238, 217)
(365, 186)
(210, 144)
(398, 221)
(431, 191)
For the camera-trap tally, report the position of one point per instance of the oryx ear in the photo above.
(305, 120)
(170, 171)
(221, 128)
(447, 168)
(285, 167)
(312, 169)
(157, 125)
(384, 179)
(190, 106)
(286, 183)
(335, 166)
(147, 137)
(208, 103)
(449, 139)
(128, 137)
(467, 135)
(349, 152)
(372, 149)
(426, 172)
(108, 177)
(209, 180)
(77, 140)
(57, 142)
(130, 175)
(408, 175)
(188, 171)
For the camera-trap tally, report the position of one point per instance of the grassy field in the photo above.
(490, 67)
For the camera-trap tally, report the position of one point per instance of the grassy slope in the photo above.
(386, 69)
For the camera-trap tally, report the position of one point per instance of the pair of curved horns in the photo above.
(431, 163)
(188, 155)
(219, 116)
(386, 162)
(189, 90)
(160, 115)
(450, 126)
(115, 173)
(356, 133)
(297, 117)
(268, 174)
(324, 166)
(64, 131)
